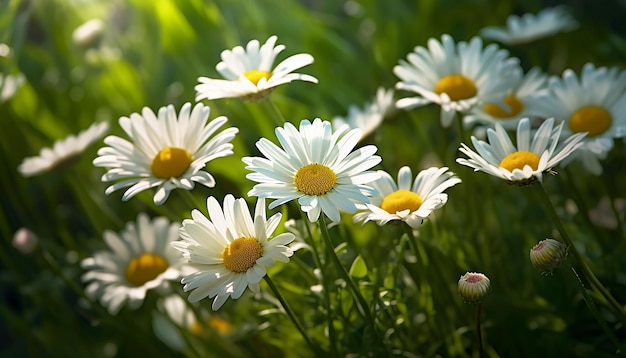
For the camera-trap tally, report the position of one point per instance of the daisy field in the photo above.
(312, 178)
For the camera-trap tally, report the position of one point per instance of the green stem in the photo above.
(277, 116)
(329, 316)
(462, 132)
(479, 333)
(190, 202)
(587, 272)
(594, 310)
(362, 305)
(413, 246)
(315, 348)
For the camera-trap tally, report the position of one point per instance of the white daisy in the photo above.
(248, 73)
(525, 163)
(411, 204)
(455, 76)
(315, 166)
(372, 114)
(167, 152)
(594, 103)
(140, 259)
(63, 151)
(516, 104)
(229, 249)
(531, 27)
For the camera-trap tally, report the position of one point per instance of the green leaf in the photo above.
(358, 268)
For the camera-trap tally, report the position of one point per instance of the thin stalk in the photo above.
(277, 116)
(190, 201)
(329, 317)
(362, 305)
(479, 332)
(413, 243)
(594, 310)
(586, 270)
(413, 246)
(315, 348)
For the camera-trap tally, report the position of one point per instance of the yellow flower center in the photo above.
(144, 268)
(457, 87)
(498, 112)
(518, 160)
(255, 75)
(315, 179)
(401, 200)
(593, 119)
(241, 254)
(171, 162)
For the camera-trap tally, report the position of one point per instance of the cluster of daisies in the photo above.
(317, 163)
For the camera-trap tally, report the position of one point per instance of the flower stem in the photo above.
(318, 262)
(594, 310)
(277, 116)
(360, 300)
(315, 348)
(586, 270)
(479, 333)
(413, 246)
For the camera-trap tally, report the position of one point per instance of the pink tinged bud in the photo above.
(547, 255)
(473, 287)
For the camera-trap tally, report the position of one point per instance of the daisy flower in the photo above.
(166, 152)
(455, 76)
(531, 27)
(63, 151)
(516, 104)
(315, 166)
(140, 259)
(229, 249)
(525, 163)
(371, 115)
(595, 103)
(409, 203)
(248, 73)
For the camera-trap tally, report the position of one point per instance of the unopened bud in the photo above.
(547, 255)
(473, 287)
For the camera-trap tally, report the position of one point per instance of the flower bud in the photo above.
(547, 255)
(473, 287)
